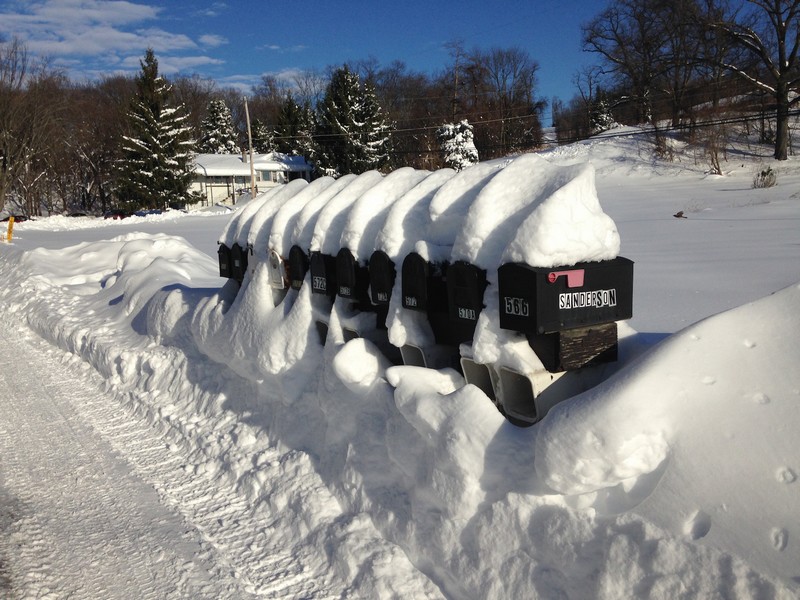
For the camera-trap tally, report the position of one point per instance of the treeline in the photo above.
(63, 143)
(688, 65)
(679, 64)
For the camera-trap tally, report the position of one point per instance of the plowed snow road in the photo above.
(75, 520)
(94, 504)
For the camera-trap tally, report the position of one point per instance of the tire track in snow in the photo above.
(77, 521)
(234, 535)
(238, 530)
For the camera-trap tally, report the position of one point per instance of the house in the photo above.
(220, 178)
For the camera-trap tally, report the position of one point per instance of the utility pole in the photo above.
(456, 50)
(250, 144)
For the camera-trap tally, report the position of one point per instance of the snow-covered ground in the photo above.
(167, 434)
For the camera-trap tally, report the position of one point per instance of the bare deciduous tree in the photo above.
(769, 31)
(26, 116)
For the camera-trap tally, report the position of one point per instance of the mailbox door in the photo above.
(277, 271)
(416, 279)
(352, 278)
(298, 266)
(224, 255)
(238, 262)
(381, 277)
(466, 284)
(323, 274)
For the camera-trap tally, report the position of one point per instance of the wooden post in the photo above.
(250, 144)
(10, 229)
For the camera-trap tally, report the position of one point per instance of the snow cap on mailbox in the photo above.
(566, 225)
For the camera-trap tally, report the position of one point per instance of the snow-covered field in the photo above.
(166, 434)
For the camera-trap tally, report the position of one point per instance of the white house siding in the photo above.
(219, 178)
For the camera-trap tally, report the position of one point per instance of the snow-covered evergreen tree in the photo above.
(352, 133)
(375, 130)
(156, 167)
(218, 133)
(601, 117)
(458, 145)
(263, 141)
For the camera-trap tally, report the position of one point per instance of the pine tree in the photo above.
(155, 170)
(600, 115)
(263, 142)
(457, 144)
(375, 130)
(293, 128)
(352, 134)
(218, 133)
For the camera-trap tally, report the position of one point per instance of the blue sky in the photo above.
(236, 42)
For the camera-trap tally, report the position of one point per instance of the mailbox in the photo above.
(238, 262)
(224, 256)
(277, 271)
(465, 286)
(417, 281)
(424, 288)
(381, 277)
(538, 300)
(323, 274)
(298, 266)
(352, 279)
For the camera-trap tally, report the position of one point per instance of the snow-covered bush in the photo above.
(765, 178)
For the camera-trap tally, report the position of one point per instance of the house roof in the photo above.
(227, 165)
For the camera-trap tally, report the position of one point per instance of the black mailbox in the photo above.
(238, 262)
(298, 266)
(424, 288)
(381, 277)
(417, 280)
(536, 300)
(466, 284)
(352, 279)
(224, 256)
(323, 274)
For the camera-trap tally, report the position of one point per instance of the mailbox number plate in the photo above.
(320, 284)
(469, 314)
(519, 307)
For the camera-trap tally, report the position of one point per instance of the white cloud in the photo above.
(212, 40)
(285, 49)
(65, 16)
(214, 10)
(109, 34)
(182, 64)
